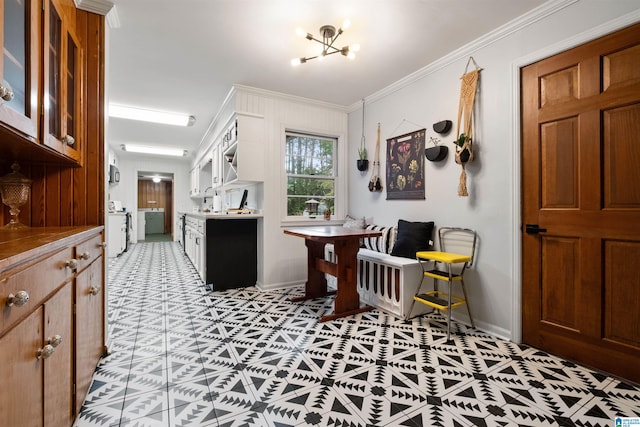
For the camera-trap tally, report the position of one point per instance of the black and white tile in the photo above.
(183, 356)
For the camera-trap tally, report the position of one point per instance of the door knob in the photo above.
(533, 229)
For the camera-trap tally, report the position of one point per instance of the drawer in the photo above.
(38, 280)
(88, 251)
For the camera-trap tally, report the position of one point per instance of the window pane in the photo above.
(309, 155)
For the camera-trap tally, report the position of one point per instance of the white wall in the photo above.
(127, 189)
(492, 206)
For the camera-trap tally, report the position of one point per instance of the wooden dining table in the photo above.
(346, 242)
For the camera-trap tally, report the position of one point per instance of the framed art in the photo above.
(405, 166)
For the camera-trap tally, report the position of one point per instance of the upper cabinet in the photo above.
(243, 150)
(62, 78)
(19, 67)
(42, 87)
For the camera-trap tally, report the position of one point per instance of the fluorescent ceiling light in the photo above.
(145, 149)
(134, 113)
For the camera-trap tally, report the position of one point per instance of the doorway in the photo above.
(581, 203)
(155, 206)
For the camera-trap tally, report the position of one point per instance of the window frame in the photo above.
(339, 153)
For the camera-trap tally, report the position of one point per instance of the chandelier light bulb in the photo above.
(300, 32)
(354, 48)
(351, 55)
(345, 24)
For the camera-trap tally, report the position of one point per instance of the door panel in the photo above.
(580, 161)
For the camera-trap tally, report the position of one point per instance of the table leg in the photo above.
(347, 301)
(316, 285)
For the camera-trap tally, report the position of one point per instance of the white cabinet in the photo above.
(116, 234)
(216, 166)
(195, 181)
(194, 245)
(243, 150)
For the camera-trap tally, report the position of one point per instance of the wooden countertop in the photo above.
(19, 246)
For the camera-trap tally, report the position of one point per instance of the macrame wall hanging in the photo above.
(464, 140)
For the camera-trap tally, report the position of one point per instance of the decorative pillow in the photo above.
(412, 237)
(351, 222)
(382, 243)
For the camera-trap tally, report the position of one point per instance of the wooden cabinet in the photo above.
(19, 66)
(63, 58)
(243, 150)
(89, 318)
(47, 351)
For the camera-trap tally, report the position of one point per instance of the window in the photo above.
(310, 165)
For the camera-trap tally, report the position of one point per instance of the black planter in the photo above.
(464, 156)
(363, 165)
(437, 153)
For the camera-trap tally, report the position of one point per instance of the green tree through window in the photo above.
(310, 168)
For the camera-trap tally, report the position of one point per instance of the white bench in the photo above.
(386, 282)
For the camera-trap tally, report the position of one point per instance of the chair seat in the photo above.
(442, 275)
(446, 257)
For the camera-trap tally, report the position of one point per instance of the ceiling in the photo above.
(184, 55)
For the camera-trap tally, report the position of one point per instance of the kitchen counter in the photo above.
(211, 215)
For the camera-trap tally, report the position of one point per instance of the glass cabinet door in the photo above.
(62, 83)
(19, 66)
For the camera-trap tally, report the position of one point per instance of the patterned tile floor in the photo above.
(182, 356)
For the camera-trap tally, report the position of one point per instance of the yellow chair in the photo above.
(457, 251)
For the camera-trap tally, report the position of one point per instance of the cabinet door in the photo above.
(19, 65)
(63, 57)
(89, 331)
(22, 390)
(58, 376)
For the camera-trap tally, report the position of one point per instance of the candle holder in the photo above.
(15, 188)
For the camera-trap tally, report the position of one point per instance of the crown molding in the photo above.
(101, 7)
(542, 11)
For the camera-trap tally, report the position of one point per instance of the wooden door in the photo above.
(581, 189)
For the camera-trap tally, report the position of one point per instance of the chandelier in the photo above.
(329, 36)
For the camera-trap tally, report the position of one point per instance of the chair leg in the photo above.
(464, 292)
(449, 313)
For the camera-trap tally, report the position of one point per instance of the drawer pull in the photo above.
(102, 245)
(45, 352)
(85, 255)
(72, 264)
(19, 299)
(54, 341)
(94, 290)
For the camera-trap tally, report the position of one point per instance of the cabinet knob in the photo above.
(45, 352)
(85, 255)
(19, 299)
(6, 93)
(69, 140)
(103, 245)
(94, 290)
(55, 340)
(72, 264)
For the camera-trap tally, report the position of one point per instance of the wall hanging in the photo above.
(464, 140)
(375, 183)
(362, 163)
(405, 166)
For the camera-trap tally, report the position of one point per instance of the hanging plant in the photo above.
(362, 163)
